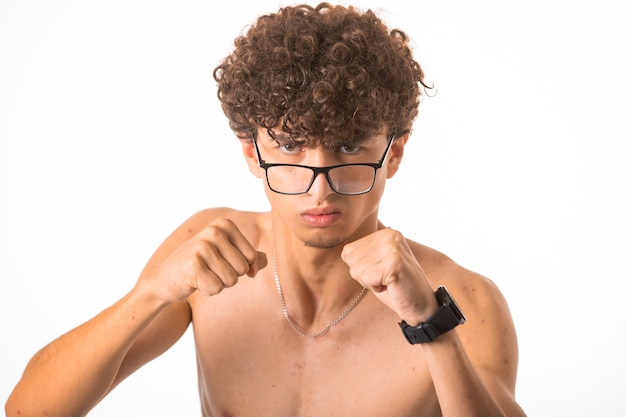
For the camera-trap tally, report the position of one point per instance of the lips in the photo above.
(321, 217)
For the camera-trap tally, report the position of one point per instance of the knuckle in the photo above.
(210, 287)
(393, 235)
(213, 232)
(230, 280)
(241, 267)
(206, 248)
(394, 252)
(222, 223)
(191, 265)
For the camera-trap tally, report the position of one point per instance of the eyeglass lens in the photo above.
(347, 179)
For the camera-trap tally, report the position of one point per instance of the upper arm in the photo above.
(489, 338)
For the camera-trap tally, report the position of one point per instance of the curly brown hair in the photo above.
(331, 74)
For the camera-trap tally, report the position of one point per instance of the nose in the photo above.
(320, 156)
(321, 185)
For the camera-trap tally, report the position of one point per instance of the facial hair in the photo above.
(321, 243)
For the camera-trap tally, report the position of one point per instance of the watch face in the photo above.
(445, 299)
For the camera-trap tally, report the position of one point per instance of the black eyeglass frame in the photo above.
(322, 170)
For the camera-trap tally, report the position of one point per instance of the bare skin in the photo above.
(216, 273)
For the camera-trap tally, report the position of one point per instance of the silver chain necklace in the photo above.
(293, 324)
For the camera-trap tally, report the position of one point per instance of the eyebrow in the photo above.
(283, 138)
(279, 137)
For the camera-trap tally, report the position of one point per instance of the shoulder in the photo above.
(206, 216)
(251, 224)
(478, 296)
(489, 334)
(443, 270)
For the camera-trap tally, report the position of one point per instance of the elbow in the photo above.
(12, 408)
(26, 403)
(19, 406)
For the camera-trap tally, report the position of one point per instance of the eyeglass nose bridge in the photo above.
(321, 170)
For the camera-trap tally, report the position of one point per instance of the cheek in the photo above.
(364, 205)
(381, 180)
(376, 194)
(279, 203)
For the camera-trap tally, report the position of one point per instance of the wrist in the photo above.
(420, 315)
(151, 298)
(447, 316)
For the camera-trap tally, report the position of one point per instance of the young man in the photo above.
(322, 100)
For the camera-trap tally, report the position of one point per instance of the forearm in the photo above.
(72, 374)
(459, 388)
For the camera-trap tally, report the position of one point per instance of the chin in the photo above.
(323, 242)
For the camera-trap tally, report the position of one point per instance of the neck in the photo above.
(316, 283)
(310, 323)
(308, 316)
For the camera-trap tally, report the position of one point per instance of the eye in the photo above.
(289, 147)
(349, 149)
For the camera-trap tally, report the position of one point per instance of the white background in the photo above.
(111, 135)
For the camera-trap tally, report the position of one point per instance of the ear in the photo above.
(249, 153)
(395, 155)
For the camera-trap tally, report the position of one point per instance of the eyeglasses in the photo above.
(346, 179)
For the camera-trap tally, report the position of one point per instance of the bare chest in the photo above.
(251, 362)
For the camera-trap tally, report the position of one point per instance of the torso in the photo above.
(251, 362)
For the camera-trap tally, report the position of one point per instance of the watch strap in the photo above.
(442, 321)
(446, 318)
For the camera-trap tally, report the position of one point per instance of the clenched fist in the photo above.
(384, 263)
(210, 261)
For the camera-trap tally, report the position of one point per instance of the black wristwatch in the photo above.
(446, 318)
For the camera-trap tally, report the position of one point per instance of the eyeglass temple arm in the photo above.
(256, 148)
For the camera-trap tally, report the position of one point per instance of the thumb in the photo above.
(259, 263)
